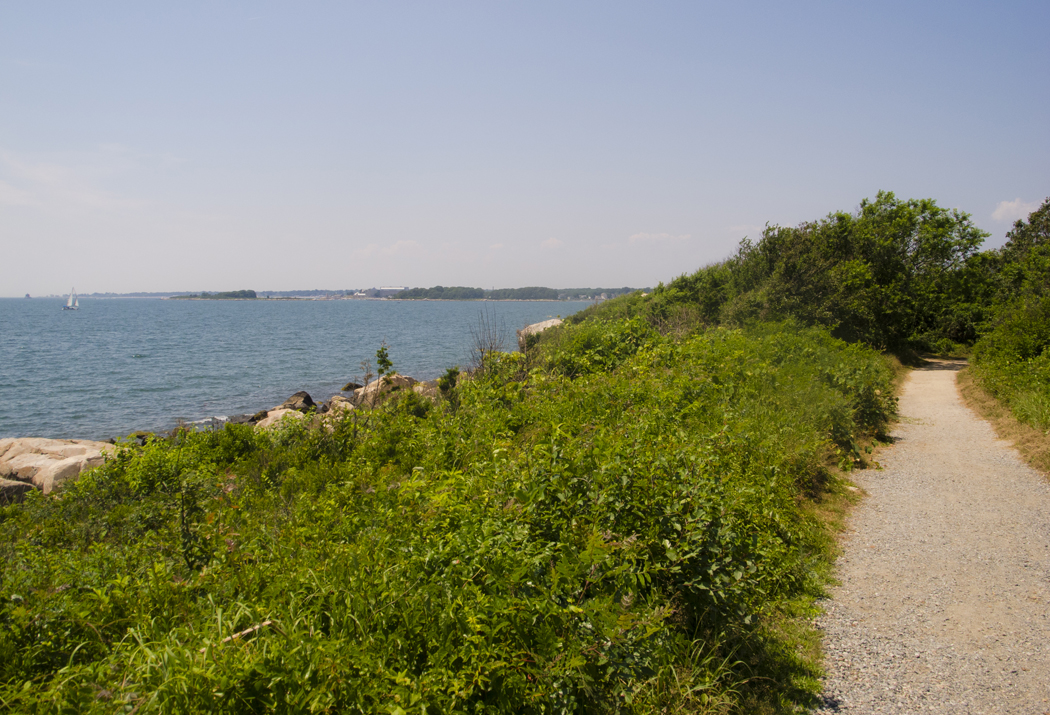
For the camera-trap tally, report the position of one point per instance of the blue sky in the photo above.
(208, 146)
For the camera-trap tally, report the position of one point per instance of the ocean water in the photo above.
(120, 365)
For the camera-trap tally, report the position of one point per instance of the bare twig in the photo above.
(487, 336)
(246, 632)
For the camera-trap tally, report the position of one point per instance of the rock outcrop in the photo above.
(339, 404)
(45, 463)
(534, 329)
(296, 406)
(275, 415)
(428, 389)
(300, 401)
(372, 393)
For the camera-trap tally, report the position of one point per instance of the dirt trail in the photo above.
(944, 602)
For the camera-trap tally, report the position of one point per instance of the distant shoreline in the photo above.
(317, 300)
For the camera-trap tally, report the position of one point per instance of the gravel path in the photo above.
(944, 602)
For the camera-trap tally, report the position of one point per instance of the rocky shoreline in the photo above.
(42, 464)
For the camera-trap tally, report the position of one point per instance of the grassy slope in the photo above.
(628, 524)
(1032, 443)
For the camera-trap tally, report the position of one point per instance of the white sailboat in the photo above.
(73, 303)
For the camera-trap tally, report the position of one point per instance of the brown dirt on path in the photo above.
(944, 597)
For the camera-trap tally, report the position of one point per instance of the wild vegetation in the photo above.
(1011, 359)
(904, 276)
(613, 524)
(630, 516)
(890, 275)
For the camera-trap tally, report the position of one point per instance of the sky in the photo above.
(280, 146)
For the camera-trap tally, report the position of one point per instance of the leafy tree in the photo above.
(383, 362)
(888, 274)
(1025, 270)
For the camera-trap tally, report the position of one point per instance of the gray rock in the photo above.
(534, 329)
(276, 415)
(300, 401)
(339, 404)
(428, 389)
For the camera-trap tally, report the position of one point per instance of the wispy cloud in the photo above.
(552, 242)
(651, 238)
(13, 196)
(1010, 211)
(40, 183)
(402, 248)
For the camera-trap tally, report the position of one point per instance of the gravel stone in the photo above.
(943, 604)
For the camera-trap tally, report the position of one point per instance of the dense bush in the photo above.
(609, 526)
(890, 275)
(1012, 360)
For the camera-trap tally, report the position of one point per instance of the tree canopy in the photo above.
(885, 274)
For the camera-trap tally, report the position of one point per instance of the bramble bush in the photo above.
(608, 526)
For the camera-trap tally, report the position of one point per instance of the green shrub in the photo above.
(606, 532)
(1012, 361)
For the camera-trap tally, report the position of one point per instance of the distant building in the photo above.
(387, 291)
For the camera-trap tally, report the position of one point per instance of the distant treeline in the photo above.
(435, 293)
(593, 293)
(441, 293)
(313, 293)
(226, 295)
(528, 293)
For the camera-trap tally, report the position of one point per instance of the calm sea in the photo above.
(120, 365)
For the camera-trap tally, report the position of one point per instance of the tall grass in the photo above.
(608, 527)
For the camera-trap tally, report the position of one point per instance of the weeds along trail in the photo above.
(944, 601)
(620, 523)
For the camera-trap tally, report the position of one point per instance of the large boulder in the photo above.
(339, 404)
(300, 401)
(373, 392)
(276, 415)
(534, 329)
(45, 463)
(428, 389)
(295, 407)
